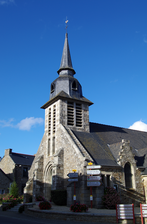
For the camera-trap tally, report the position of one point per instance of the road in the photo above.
(9, 217)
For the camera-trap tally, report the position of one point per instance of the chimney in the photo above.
(8, 152)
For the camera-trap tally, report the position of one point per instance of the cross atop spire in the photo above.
(66, 63)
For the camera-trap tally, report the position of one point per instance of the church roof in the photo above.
(63, 95)
(97, 148)
(66, 63)
(22, 159)
(104, 141)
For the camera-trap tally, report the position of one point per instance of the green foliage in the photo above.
(21, 208)
(110, 198)
(44, 205)
(14, 189)
(59, 197)
(77, 207)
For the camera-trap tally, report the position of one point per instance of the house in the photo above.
(5, 182)
(14, 166)
(71, 141)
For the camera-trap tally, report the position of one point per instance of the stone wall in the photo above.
(4, 182)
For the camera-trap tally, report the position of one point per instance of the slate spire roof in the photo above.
(66, 63)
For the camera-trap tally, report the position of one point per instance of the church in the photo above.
(71, 141)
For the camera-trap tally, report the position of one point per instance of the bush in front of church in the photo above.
(110, 198)
(59, 197)
(77, 207)
(45, 205)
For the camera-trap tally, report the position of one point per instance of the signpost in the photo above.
(93, 184)
(74, 179)
(93, 181)
(72, 174)
(93, 172)
(93, 178)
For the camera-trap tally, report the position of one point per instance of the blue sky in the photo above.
(108, 45)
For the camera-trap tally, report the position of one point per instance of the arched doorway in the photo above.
(48, 183)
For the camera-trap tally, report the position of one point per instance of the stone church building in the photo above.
(71, 141)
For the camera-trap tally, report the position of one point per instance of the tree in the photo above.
(14, 189)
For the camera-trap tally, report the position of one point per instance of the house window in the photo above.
(2, 191)
(53, 144)
(128, 175)
(25, 172)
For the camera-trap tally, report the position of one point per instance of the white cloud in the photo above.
(25, 124)
(4, 123)
(28, 123)
(139, 125)
(6, 2)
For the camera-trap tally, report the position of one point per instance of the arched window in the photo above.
(128, 175)
(74, 85)
(52, 87)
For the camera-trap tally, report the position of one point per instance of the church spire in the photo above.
(66, 63)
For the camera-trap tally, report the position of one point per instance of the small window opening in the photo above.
(128, 175)
(52, 88)
(53, 144)
(74, 85)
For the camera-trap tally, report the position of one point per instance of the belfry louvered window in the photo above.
(54, 119)
(49, 122)
(70, 113)
(78, 115)
(74, 114)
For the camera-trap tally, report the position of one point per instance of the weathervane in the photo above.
(66, 24)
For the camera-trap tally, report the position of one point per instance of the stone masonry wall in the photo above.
(4, 182)
(7, 164)
(136, 194)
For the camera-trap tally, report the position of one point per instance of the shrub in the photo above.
(110, 198)
(14, 189)
(5, 207)
(77, 207)
(40, 198)
(20, 199)
(44, 205)
(21, 208)
(59, 197)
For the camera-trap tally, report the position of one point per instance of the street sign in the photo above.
(93, 184)
(73, 179)
(72, 174)
(93, 172)
(94, 178)
(94, 167)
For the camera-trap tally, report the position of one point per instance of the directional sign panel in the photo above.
(73, 179)
(94, 167)
(93, 184)
(72, 174)
(93, 172)
(89, 178)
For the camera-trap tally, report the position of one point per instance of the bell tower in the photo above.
(67, 105)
